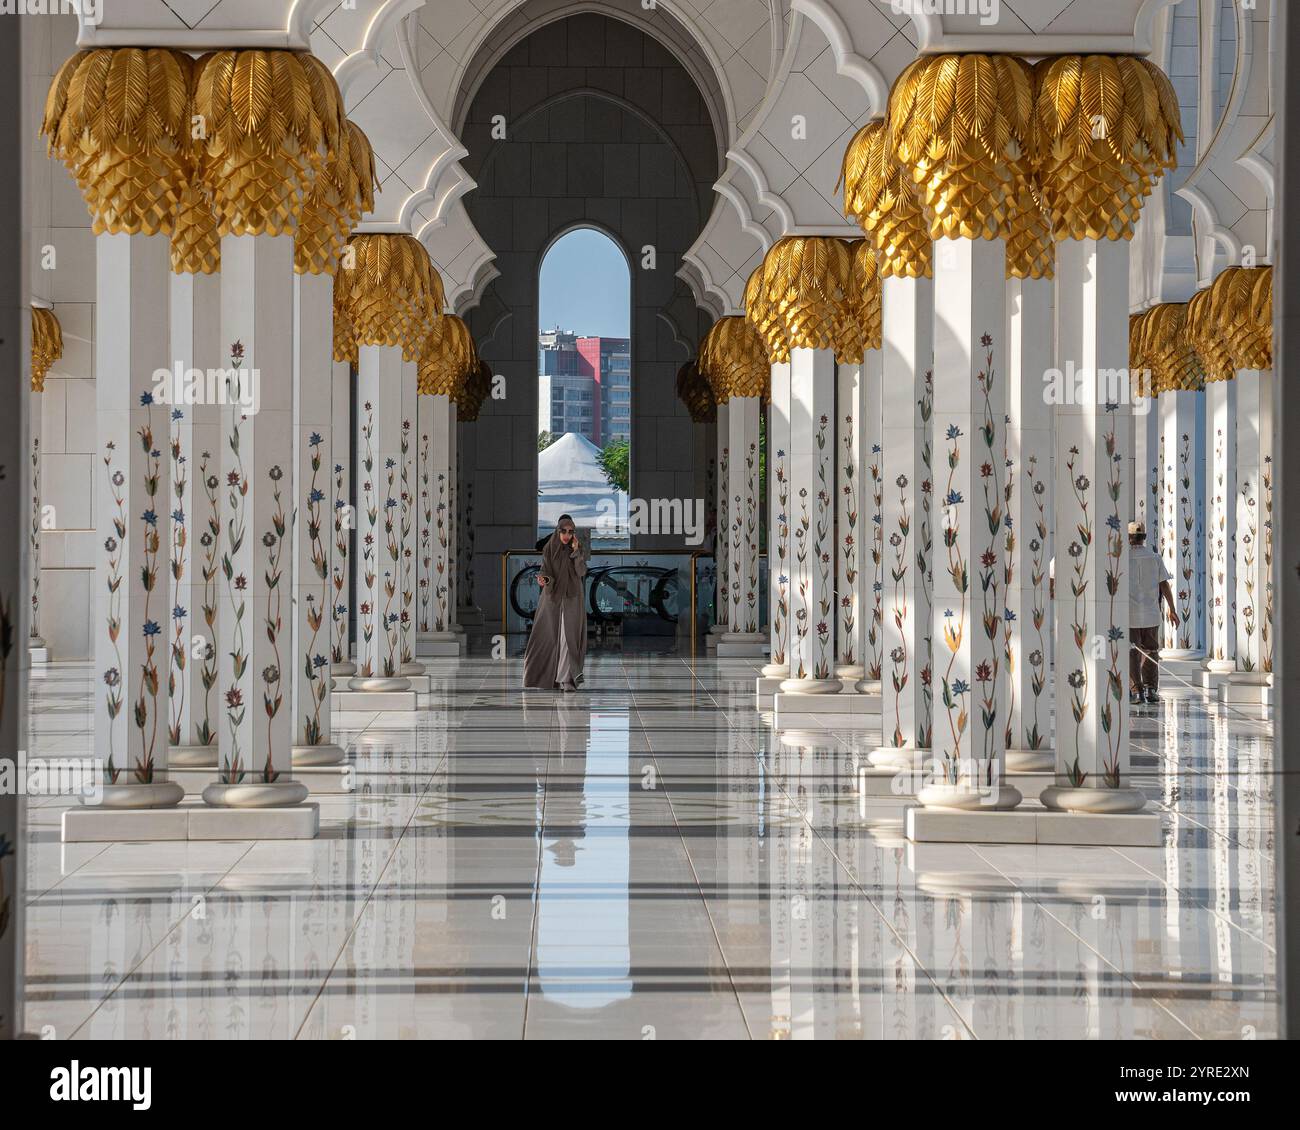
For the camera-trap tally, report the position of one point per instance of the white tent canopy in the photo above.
(570, 481)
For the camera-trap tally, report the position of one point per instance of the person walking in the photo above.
(557, 644)
(1148, 585)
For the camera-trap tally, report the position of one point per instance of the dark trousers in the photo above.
(1144, 647)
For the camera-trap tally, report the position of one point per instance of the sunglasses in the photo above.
(565, 532)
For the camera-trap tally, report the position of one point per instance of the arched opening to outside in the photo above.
(584, 386)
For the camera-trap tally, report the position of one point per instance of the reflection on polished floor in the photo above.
(646, 859)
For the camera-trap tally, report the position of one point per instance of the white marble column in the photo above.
(741, 584)
(1254, 516)
(312, 526)
(195, 524)
(1093, 443)
(1027, 630)
(456, 524)
(1146, 464)
(255, 653)
(812, 523)
(721, 603)
(969, 430)
(131, 514)
(907, 404)
(850, 524)
(778, 523)
(14, 356)
(1180, 481)
(37, 648)
(380, 373)
(409, 520)
(344, 519)
(1220, 525)
(873, 531)
(437, 498)
(467, 610)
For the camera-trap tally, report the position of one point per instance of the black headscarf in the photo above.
(558, 566)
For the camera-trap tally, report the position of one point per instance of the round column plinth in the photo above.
(811, 686)
(343, 670)
(412, 669)
(192, 756)
(280, 794)
(1181, 653)
(898, 757)
(867, 686)
(314, 755)
(964, 797)
(1220, 666)
(1031, 760)
(36, 642)
(802, 739)
(1103, 802)
(775, 671)
(160, 794)
(850, 672)
(380, 683)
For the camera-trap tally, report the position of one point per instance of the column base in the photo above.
(1181, 653)
(192, 756)
(794, 710)
(876, 782)
(1031, 761)
(811, 686)
(411, 668)
(741, 645)
(160, 794)
(1251, 691)
(909, 757)
(38, 651)
(320, 780)
(868, 686)
(1220, 666)
(766, 688)
(379, 684)
(849, 673)
(1101, 802)
(1033, 824)
(325, 754)
(1000, 797)
(343, 670)
(190, 822)
(374, 700)
(279, 794)
(777, 671)
(438, 644)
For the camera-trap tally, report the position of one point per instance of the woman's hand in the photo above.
(577, 545)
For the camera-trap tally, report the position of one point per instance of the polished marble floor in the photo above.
(646, 859)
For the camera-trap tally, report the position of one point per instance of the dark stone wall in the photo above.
(604, 129)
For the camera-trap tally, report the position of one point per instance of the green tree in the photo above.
(544, 440)
(613, 460)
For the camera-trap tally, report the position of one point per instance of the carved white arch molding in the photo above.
(1240, 144)
(1127, 28)
(276, 24)
(489, 45)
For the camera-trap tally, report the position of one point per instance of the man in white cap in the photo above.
(1148, 585)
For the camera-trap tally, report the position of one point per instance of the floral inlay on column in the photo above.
(180, 616)
(34, 541)
(848, 546)
(899, 541)
(273, 673)
(751, 536)
(210, 540)
(874, 633)
(146, 706)
(316, 666)
(369, 564)
(339, 612)
(426, 537)
(781, 611)
(233, 767)
(1035, 720)
(114, 550)
(406, 573)
(1266, 624)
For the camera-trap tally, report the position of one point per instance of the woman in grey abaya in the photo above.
(558, 642)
